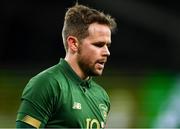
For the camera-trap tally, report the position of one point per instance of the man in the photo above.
(65, 96)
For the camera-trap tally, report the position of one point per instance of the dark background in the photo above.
(148, 35)
(142, 68)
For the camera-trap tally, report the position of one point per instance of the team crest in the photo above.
(103, 109)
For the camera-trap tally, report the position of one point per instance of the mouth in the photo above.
(101, 63)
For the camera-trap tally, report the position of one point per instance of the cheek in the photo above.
(87, 50)
(88, 57)
(93, 50)
(91, 54)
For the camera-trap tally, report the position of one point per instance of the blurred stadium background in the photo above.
(141, 71)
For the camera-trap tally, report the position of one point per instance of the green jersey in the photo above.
(57, 97)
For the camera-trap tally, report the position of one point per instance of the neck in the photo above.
(74, 65)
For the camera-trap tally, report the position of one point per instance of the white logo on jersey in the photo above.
(76, 105)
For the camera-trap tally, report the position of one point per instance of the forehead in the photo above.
(99, 29)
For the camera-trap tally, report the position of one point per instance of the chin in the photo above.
(98, 73)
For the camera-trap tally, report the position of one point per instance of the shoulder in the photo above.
(45, 81)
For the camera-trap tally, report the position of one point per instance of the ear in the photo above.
(72, 43)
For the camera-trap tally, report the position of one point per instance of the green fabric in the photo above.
(20, 124)
(59, 98)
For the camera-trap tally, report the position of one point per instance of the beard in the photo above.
(87, 70)
(86, 65)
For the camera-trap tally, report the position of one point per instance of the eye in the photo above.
(102, 44)
(108, 45)
(99, 45)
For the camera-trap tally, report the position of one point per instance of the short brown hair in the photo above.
(78, 18)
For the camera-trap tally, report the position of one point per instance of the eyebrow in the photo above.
(104, 43)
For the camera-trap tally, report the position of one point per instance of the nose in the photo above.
(106, 51)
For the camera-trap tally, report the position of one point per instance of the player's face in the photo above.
(93, 50)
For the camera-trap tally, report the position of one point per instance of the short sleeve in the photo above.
(38, 101)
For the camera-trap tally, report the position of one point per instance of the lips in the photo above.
(101, 63)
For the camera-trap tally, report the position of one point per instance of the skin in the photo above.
(88, 56)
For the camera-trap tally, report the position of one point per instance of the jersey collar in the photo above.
(72, 75)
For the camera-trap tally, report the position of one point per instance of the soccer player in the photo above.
(64, 95)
